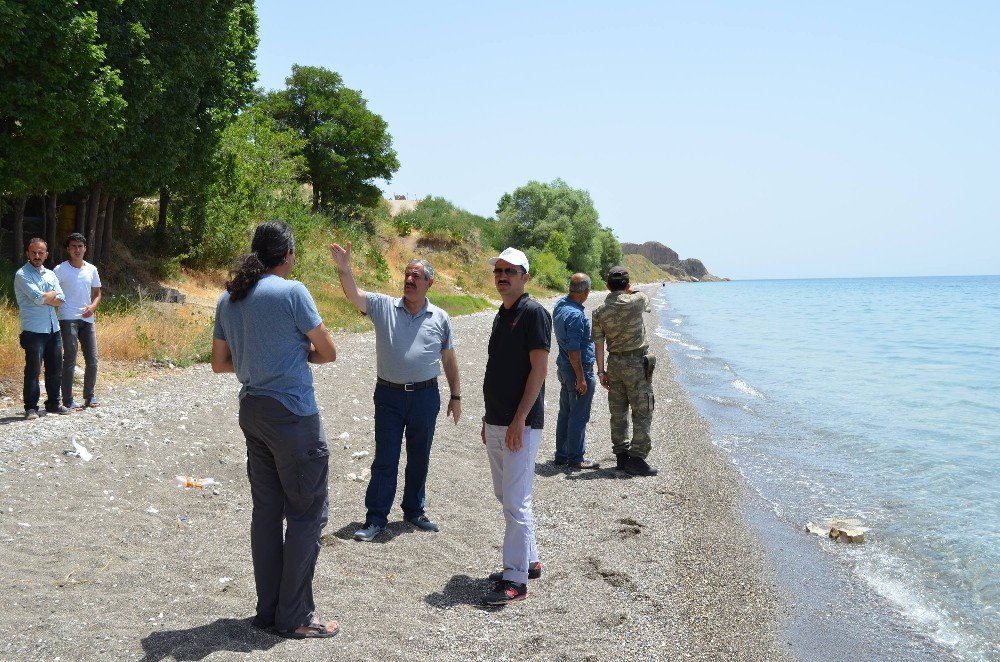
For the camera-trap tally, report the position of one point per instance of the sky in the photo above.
(768, 139)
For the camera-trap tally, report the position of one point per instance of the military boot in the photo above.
(637, 466)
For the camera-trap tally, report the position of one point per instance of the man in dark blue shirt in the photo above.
(576, 374)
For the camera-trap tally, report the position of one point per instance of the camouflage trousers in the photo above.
(628, 387)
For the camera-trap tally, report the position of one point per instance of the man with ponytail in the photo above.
(267, 331)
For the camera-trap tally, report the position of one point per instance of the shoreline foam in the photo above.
(832, 615)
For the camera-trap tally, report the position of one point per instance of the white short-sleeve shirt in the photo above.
(76, 285)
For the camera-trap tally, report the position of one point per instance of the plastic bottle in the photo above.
(193, 481)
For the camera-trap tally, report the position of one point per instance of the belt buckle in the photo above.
(408, 387)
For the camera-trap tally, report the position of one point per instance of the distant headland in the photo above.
(653, 261)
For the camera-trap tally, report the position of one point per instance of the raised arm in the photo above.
(342, 257)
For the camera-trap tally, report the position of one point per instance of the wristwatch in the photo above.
(456, 397)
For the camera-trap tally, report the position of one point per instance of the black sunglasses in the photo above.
(510, 271)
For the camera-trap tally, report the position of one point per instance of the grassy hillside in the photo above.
(135, 332)
(641, 270)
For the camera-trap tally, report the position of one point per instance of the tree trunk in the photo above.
(116, 220)
(52, 229)
(102, 219)
(18, 242)
(44, 234)
(109, 222)
(95, 208)
(161, 220)
(81, 214)
(315, 198)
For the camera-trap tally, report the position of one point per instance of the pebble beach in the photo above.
(109, 558)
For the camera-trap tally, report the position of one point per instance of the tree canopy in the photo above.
(560, 221)
(348, 146)
(58, 97)
(113, 99)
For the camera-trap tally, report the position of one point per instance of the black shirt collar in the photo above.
(521, 301)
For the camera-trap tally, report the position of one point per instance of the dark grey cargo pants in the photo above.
(287, 463)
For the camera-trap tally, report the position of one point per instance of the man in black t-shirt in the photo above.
(514, 390)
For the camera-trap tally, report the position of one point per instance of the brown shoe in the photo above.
(315, 630)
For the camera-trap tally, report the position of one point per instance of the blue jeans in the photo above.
(574, 413)
(73, 331)
(413, 413)
(39, 347)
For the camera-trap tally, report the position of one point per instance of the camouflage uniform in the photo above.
(618, 323)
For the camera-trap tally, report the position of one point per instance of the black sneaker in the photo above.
(30, 414)
(534, 572)
(59, 409)
(505, 592)
(637, 466)
(423, 523)
(622, 459)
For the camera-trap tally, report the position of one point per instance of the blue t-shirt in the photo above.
(407, 347)
(572, 328)
(266, 333)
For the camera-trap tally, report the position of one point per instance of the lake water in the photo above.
(875, 398)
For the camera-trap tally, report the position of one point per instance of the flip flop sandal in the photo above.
(315, 630)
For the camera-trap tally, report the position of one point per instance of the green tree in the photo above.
(187, 68)
(348, 145)
(532, 213)
(258, 166)
(58, 98)
(558, 245)
(611, 251)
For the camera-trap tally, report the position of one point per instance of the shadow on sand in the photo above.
(235, 635)
(460, 590)
(392, 530)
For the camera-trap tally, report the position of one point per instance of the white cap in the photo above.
(512, 255)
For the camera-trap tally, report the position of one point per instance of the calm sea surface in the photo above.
(876, 398)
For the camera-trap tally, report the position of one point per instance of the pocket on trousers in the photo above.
(651, 401)
(311, 472)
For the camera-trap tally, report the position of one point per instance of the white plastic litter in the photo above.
(84, 454)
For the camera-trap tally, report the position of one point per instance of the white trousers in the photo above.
(513, 475)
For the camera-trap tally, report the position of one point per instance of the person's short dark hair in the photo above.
(76, 236)
(33, 241)
(618, 279)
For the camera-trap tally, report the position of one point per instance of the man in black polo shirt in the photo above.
(514, 390)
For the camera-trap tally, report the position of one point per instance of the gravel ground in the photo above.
(109, 558)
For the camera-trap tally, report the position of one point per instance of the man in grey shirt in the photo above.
(412, 336)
